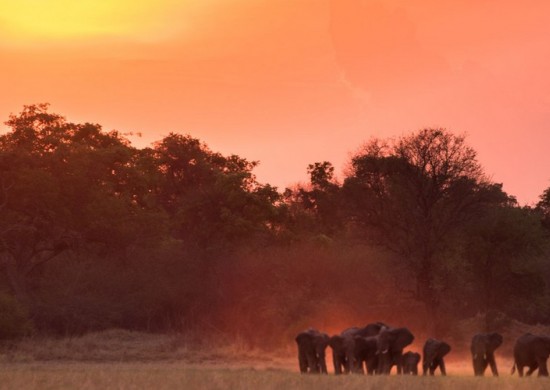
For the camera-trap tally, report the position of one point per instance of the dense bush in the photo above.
(14, 319)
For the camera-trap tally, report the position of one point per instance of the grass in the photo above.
(119, 359)
(182, 376)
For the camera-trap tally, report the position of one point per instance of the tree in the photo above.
(504, 249)
(64, 186)
(213, 201)
(543, 207)
(412, 194)
(314, 208)
(215, 206)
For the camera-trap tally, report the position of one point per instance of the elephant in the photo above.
(366, 353)
(391, 342)
(434, 351)
(343, 347)
(410, 363)
(311, 351)
(531, 351)
(483, 352)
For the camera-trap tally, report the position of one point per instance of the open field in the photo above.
(119, 359)
(183, 376)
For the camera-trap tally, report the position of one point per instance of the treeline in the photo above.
(95, 234)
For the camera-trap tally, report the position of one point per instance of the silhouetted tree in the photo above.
(64, 186)
(504, 250)
(317, 203)
(412, 194)
(213, 201)
(543, 206)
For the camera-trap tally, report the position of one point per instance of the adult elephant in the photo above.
(410, 363)
(366, 354)
(343, 347)
(531, 351)
(483, 352)
(391, 342)
(311, 351)
(434, 351)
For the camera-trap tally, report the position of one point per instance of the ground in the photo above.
(120, 359)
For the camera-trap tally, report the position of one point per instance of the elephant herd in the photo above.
(377, 347)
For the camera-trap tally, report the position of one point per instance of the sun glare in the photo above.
(51, 20)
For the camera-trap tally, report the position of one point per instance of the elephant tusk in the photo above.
(385, 351)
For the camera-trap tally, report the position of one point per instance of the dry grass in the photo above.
(119, 359)
(126, 346)
(182, 376)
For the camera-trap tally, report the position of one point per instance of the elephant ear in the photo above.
(402, 338)
(336, 342)
(372, 329)
(322, 340)
(495, 340)
(444, 348)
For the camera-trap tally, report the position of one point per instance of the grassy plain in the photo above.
(165, 375)
(130, 360)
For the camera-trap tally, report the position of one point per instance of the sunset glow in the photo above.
(60, 20)
(289, 83)
(258, 189)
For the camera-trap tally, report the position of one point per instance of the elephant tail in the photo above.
(513, 369)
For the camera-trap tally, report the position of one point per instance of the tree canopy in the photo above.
(185, 237)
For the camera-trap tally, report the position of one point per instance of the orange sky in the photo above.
(291, 82)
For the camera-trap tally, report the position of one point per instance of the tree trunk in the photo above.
(15, 279)
(427, 295)
(487, 293)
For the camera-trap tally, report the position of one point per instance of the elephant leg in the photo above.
(353, 366)
(337, 364)
(491, 361)
(312, 363)
(480, 364)
(322, 364)
(442, 367)
(347, 367)
(475, 365)
(532, 368)
(543, 369)
(399, 365)
(425, 366)
(370, 367)
(485, 364)
(302, 361)
(384, 364)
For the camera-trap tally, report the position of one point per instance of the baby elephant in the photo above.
(410, 363)
(434, 351)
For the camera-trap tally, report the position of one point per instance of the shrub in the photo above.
(14, 319)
